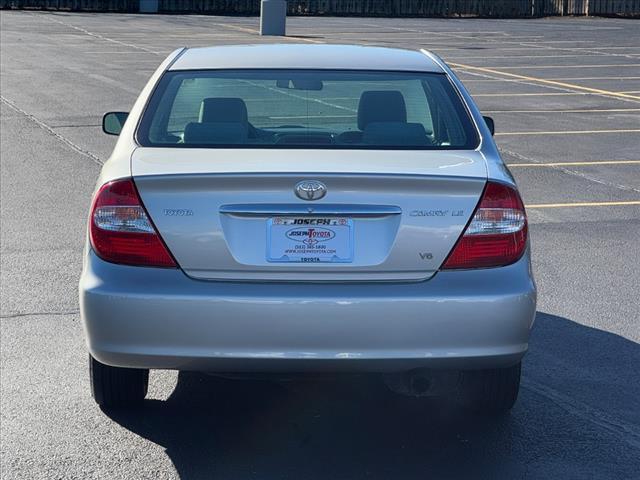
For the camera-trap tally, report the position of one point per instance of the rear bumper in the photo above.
(160, 318)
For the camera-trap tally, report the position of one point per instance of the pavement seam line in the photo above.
(548, 82)
(51, 131)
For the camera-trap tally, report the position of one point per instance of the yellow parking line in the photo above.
(303, 39)
(571, 48)
(575, 164)
(584, 204)
(238, 28)
(566, 41)
(637, 65)
(595, 78)
(568, 132)
(545, 94)
(549, 82)
(257, 32)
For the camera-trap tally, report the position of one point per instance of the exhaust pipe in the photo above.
(423, 382)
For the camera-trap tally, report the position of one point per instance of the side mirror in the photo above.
(490, 124)
(112, 122)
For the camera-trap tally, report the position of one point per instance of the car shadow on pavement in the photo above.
(576, 417)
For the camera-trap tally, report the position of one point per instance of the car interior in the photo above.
(381, 120)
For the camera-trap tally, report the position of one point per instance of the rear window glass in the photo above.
(306, 109)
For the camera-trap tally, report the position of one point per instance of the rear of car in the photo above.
(298, 212)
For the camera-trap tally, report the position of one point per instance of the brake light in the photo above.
(497, 233)
(121, 230)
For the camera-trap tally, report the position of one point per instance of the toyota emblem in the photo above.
(310, 190)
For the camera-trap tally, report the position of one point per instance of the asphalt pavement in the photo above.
(565, 95)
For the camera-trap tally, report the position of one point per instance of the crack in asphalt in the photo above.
(628, 433)
(77, 148)
(79, 125)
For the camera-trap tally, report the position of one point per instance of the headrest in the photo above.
(215, 133)
(223, 110)
(395, 134)
(381, 106)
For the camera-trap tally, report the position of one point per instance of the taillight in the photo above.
(497, 233)
(121, 230)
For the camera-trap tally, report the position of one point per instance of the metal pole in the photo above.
(273, 17)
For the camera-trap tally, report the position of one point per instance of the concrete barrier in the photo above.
(273, 17)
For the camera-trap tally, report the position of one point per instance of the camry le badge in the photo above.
(310, 190)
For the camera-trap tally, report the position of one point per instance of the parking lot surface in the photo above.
(565, 95)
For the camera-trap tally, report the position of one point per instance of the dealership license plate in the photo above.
(310, 239)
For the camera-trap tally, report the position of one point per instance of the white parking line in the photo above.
(98, 36)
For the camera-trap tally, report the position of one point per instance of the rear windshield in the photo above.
(306, 109)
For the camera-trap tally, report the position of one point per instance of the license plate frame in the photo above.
(314, 239)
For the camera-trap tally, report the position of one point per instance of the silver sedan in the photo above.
(305, 208)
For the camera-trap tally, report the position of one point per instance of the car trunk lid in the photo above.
(233, 214)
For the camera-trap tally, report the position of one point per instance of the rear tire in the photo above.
(115, 387)
(492, 391)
